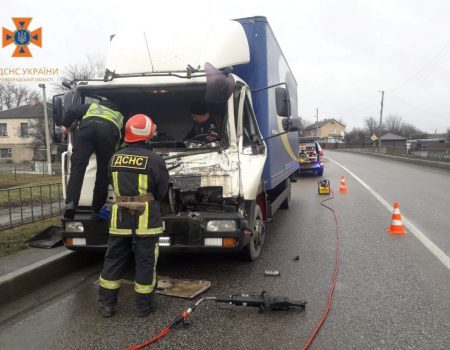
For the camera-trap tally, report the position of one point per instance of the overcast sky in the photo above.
(342, 52)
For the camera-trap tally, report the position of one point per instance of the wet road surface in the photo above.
(392, 293)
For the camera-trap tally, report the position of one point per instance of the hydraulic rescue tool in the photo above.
(264, 302)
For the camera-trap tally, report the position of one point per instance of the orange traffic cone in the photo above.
(343, 188)
(396, 224)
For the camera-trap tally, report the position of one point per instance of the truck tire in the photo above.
(293, 177)
(253, 250)
(287, 202)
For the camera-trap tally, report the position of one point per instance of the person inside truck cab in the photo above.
(206, 127)
(99, 132)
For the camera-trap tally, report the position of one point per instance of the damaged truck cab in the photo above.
(221, 193)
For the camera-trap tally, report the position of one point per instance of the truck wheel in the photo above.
(287, 202)
(293, 177)
(252, 251)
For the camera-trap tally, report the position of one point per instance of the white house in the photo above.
(15, 143)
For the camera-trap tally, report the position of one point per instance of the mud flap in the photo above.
(51, 237)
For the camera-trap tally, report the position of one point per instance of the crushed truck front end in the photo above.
(207, 204)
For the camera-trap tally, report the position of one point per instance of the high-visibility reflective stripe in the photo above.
(154, 265)
(120, 231)
(113, 224)
(139, 231)
(115, 176)
(143, 183)
(149, 231)
(143, 219)
(148, 288)
(108, 284)
(143, 288)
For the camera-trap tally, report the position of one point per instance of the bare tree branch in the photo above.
(93, 67)
(371, 125)
(36, 131)
(15, 95)
(357, 136)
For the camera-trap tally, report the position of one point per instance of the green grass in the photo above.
(12, 240)
(48, 193)
(8, 180)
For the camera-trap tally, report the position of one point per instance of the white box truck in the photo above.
(221, 193)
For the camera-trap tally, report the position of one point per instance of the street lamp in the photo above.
(47, 134)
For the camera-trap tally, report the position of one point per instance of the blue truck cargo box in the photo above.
(267, 67)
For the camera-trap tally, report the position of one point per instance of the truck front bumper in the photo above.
(204, 231)
(85, 232)
(185, 232)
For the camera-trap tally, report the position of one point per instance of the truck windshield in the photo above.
(171, 110)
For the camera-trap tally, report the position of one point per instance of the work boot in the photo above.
(105, 310)
(151, 307)
(69, 213)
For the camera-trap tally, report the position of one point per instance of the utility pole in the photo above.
(317, 122)
(381, 120)
(47, 134)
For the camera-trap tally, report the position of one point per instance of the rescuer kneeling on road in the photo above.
(140, 180)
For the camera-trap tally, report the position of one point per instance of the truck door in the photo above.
(252, 149)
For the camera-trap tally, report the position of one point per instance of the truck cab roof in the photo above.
(222, 44)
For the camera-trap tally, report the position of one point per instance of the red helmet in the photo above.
(139, 128)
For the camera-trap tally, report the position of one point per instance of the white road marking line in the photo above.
(433, 248)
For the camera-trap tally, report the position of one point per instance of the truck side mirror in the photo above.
(291, 124)
(283, 102)
(294, 124)
(58, 109)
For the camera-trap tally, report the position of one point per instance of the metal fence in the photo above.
(441, 154)
(22, 205)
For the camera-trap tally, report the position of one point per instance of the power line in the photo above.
(423, 69)
(409, 89)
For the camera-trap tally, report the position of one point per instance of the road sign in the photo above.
(374, 137)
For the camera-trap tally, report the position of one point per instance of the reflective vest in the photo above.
(134, 171)
(97, 110)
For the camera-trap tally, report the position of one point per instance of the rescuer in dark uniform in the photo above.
(140, 180)
(99, 132)
(207, 127)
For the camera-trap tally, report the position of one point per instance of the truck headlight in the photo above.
(74, 226)
(221, 226)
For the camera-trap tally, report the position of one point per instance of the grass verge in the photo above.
(10, 180)
(13, 240)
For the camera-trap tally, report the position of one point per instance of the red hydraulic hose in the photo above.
(333, 281)
(185, 314)
(163, 333)
(182, 317)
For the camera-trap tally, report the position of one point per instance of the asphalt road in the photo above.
(392, 293)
